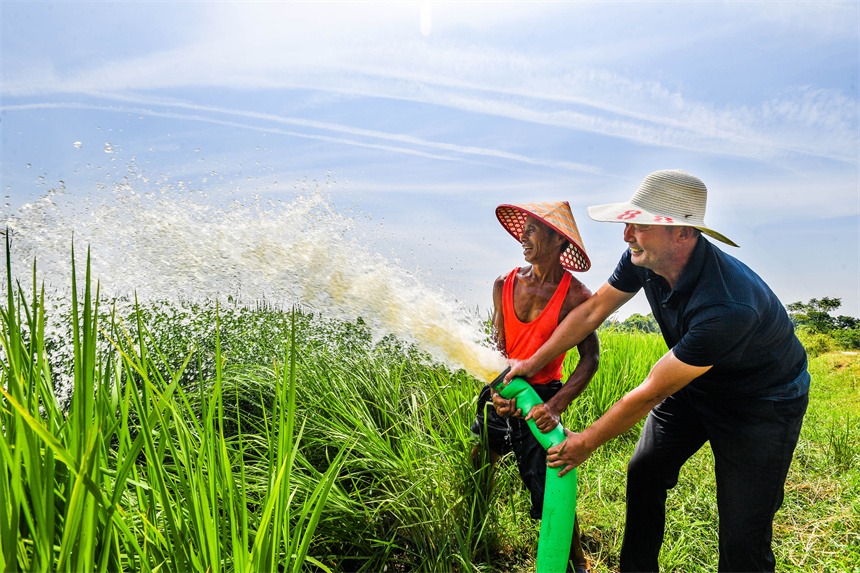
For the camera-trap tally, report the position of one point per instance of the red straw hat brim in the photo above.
(558, 216)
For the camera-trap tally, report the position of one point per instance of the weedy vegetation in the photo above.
(246, 437)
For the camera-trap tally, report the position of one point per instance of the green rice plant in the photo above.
(251, 438)
(238, 511)
(625, 360)
(415, 501)
(52, 472)
(135, 476)
(389, 474)
(843, 443)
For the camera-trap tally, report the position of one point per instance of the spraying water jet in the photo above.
(172, 245)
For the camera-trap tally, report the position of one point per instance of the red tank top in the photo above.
(522, 339)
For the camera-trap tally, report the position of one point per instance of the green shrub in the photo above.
(815, 343)
(847, 339)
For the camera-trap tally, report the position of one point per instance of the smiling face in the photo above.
(662, 248)
(541, 244)
(650, 245)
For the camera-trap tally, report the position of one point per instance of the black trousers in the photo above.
(752, 441)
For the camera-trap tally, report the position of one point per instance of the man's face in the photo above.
(540, 243)
(651, 246)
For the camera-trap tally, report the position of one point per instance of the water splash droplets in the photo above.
(176, 244)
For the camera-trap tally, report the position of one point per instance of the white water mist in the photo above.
(176, 244)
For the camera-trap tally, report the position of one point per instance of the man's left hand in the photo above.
(545, 416)
(568, 454)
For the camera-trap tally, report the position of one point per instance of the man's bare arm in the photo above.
(579, 322)
(504, 408)
(498, 334)
(666, 377)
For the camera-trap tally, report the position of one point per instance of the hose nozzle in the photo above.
(500, 379)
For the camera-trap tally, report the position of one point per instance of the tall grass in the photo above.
(625, 360)
(135, 476)
(202, 437)
(410, 473)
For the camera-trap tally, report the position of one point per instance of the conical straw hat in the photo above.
(559, 217)
(668, 197)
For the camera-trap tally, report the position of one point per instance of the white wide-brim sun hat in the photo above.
(668, 197)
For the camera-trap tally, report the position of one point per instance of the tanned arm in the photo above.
(504, 408)
(498, 315)
(547, 416)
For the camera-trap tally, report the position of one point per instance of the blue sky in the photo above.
(425, 116)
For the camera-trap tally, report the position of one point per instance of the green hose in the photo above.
(559, 498)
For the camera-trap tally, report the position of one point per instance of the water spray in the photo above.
(172, 245)
(559, 498)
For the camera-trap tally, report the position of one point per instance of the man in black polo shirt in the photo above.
(735, 375)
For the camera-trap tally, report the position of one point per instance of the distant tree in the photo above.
(819, 331)
(815, 314)
(634, 323)
(847, 323)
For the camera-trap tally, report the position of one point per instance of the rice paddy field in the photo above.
(237, 436)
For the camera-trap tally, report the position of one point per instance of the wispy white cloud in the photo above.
(541, 90)
(206, 119)
(814, 121)
(377, 51)
(272, 121)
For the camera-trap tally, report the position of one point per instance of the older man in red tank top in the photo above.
(528, 304)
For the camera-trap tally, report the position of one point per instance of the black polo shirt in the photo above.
(721, 314)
